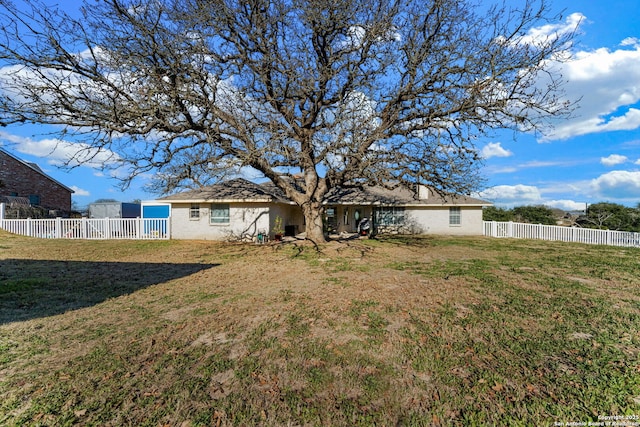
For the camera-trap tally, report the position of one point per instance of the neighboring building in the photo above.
(240, 209)
(114, 210)
(22, 179)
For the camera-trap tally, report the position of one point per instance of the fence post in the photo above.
(2, 208)
(58, 231)
(510, 229)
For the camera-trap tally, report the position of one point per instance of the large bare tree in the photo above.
(340, 93)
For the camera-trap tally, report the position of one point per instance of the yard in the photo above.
(400, 331)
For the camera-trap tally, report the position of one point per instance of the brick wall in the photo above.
(19, 179)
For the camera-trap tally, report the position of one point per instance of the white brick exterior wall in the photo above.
(245, 219)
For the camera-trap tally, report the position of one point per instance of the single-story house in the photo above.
(240, 209)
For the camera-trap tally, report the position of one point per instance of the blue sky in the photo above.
(592, 157)
(595, 156)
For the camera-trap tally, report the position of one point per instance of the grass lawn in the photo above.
(394, 332)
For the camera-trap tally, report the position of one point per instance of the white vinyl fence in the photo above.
(565, 234)
(84, 228)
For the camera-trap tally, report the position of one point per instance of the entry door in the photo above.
(331, 219)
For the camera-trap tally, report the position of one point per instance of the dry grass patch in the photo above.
(401, 331)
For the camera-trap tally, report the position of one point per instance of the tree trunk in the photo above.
(313, 219)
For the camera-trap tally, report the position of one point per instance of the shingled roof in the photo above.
(242, 190)
(399, 196)
(235, 190)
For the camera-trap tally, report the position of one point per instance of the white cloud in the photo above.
(630, 41)
(614, 159)
(542, 35)
(546, 34)
(59, 152)
(356, 35)
(535, 164)
(629, 121)
(493, 170)
(77, 191)
(566, 205)
(512, 195)
(607, 84)
(495, 149)
(617, 185)
(547, 163)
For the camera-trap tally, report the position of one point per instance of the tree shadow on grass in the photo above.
(31, 289)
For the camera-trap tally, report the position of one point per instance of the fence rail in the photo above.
(564, 234)
(85, 228)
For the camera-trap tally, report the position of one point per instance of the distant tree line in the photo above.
(612, 216)
(528, 214)
(609, 216)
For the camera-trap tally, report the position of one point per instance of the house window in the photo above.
(34, 200)
(194, 211)
(391, 215)
(220, 213)
(455, 217)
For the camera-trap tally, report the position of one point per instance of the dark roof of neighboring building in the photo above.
(15, 201)
(36, 169)
(242, 190)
